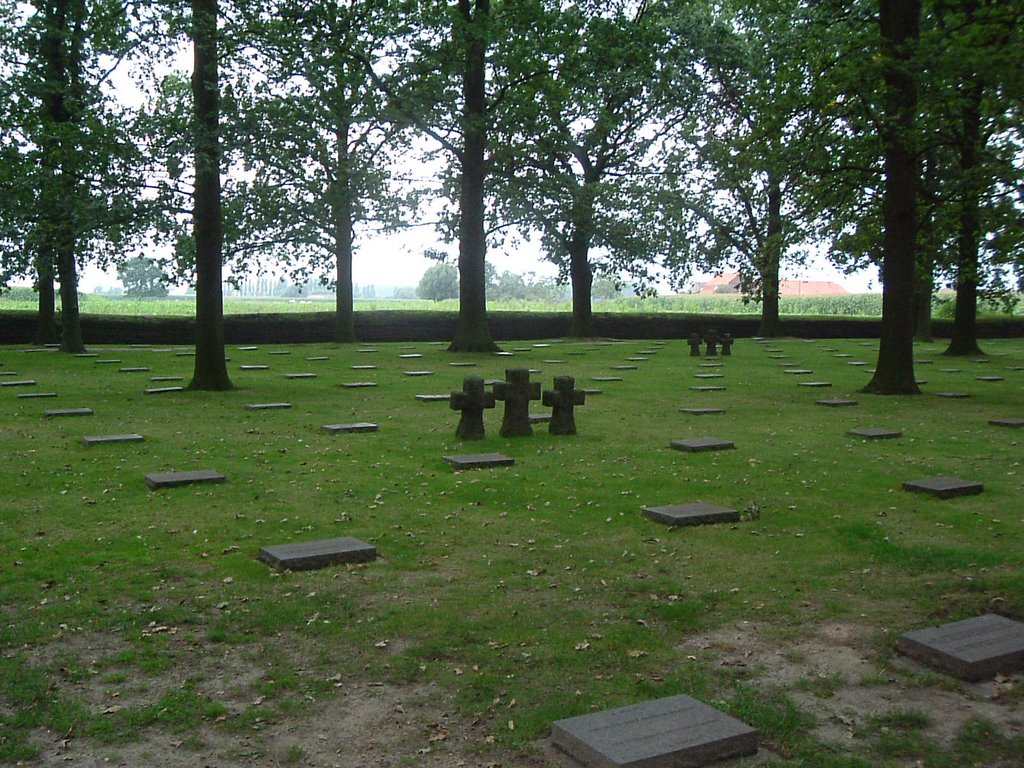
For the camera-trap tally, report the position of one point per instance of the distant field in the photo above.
(853, 305)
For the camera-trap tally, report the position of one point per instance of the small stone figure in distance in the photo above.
(516, 391)
(561, 401)
(726, 345)
(694, 342)
(711, 339)
(472, 401)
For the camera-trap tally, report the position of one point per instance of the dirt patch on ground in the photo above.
(839, 675)
(354, 724)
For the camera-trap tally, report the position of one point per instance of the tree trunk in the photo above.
(61, 51)
(341, 209)
(771, 325)
(894, 373)
(46, 318)
(472, 333)
(580, 273)
(964, 340)
(210, 371)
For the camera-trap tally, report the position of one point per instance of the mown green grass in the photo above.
(540, 583)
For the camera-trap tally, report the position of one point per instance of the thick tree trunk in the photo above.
(582, 279)
(472, 333)
(46, 318)
(210, 371)
(67, 274)
(771, 325)
(894, 373)
(964, 340)
(341, 209)
(61, 50)
(580, 273)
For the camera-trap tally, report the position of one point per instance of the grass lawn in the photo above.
(138, 625)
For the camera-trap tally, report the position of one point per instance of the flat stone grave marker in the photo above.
(647, 352)
(359, 426)
(157, 480)
(57, 412)
(950, 370)
(709, 375)
(972, 649)
(953, 395)
(505, 354)
(134, 369)
(366, 351)
(108, 362)
(798, 371)
(247, 349)
(540, 418)
(8, 373)
(815, 384)
(702, 411)
(20, 383)
(434, 398)
(707, 389)
(989, 378)
(363, 367)
(182, 354)
(981, 360)
(87, 354)
(418, 373)
(279, 352)
(254, 367)
(624, 368)
(857, 363)
(711, 365)
(664, 733)
(410, 355)
(842, 354)
(300, 375)
(874, 433)
(692, 514)
(778, 357)
(923, 362)
(554, 362)
(317, 358)
(1015, 367)
(480, 460)
(944, 487)
(577, 353)
(606, 378)
(589, 392)
(358, 384)
(636, 359)
(310, 555)
(163, 390)
(267, 406)
(994, 422)
(166, 378)
(35, 395)
(836, 402)
(701, 444)
(462, 365)
(773, 350)
(106, 439)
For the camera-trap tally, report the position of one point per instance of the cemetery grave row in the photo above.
(678, 728)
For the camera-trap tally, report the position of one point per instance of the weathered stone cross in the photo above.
(516, 391)
(472, 401)
(562, 400)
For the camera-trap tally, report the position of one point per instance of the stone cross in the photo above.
(711, 339)
(562, 400)
(694, 342)
(472, 401)
(727, 344)
(516, 391)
